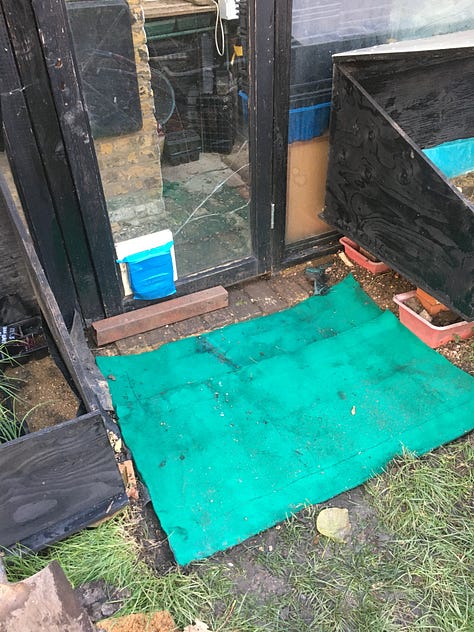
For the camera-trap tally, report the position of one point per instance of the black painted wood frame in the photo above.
(311, 247)
(50, 148)
(71, 228)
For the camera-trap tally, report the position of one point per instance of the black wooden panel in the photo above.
(43, 120)
(384, 194)
(430, 98)
(57, 481)
(56, 41)
(30, 179)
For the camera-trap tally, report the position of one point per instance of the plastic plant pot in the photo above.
(352, 250)
(430, 334)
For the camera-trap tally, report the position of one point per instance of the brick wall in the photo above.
(130, 164)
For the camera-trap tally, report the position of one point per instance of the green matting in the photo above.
(236, 429)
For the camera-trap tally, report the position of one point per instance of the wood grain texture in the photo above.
(30, 178)
(148, 318)
(429, 96)
(73, 120)
(57, 481)
(41, 113)
(383, 193)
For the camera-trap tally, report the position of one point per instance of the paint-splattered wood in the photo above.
(57, 481)
(384, 193)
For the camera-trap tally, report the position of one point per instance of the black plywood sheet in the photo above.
(57, 481)
(431, 99)
(384, 193)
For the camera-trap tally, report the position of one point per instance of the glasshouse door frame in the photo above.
(288, 254)
(52, 101)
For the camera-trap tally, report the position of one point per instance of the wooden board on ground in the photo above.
(57, 481)
(44, 602)
(153, 316)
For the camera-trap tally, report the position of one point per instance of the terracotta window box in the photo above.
(430, 334)
(354, 252)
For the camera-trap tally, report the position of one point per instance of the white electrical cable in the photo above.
(220, 46)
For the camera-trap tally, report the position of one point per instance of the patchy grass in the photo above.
(108, 552)
(409, 565)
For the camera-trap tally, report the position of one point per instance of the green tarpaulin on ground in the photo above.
(234, 430)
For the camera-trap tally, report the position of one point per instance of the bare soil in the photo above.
(45, 396)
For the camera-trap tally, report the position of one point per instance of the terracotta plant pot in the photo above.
(430, 303)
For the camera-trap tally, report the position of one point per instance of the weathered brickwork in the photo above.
(130, 164)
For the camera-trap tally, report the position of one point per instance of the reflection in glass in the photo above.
(169, 127)
(319, 30)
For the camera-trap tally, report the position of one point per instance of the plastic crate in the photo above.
(217, 122)
(22, 341)
(430, 334)
(181, 147)
(305, 122)
(308, 122)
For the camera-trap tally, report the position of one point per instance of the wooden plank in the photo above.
(73, 119)
(384, 193)
(169, 8)
(148, 318)
(30, 179)
(32, 71)
(57, 481)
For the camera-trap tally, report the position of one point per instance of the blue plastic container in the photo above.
(305, 122)
(308, 122)
(151, 272)
(454, 157)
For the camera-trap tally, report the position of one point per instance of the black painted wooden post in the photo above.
(32, 71)
(58, 48)
(59, 126)
(261, 58)
(31, 179)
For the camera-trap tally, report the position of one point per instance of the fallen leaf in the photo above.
(334, 523)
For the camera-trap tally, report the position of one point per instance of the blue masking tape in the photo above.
(151, 272)
(453, 158)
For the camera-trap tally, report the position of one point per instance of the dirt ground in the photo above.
(45, 387)
(44, 395)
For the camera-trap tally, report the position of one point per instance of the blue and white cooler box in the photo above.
(148, 265)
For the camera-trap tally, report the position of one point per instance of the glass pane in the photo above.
(321, 28)
(169, 128)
